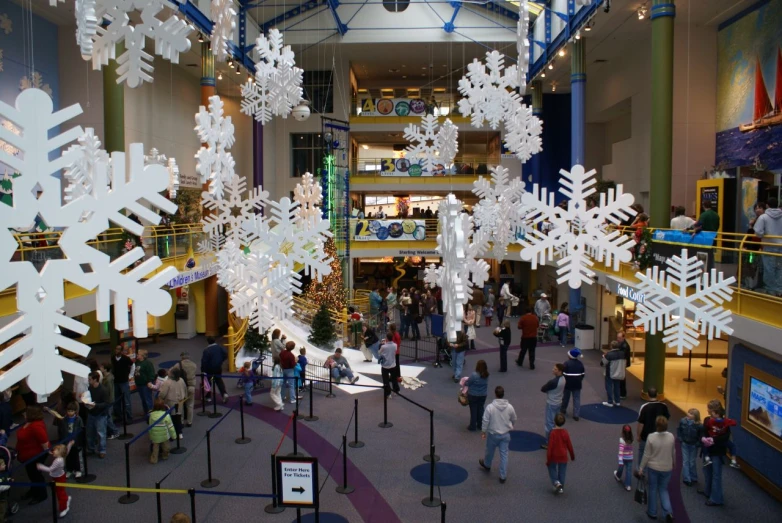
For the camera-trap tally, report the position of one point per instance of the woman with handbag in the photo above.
(563, 324)
(469, 322)
(657, 466)
(478, 384)
(503, 333)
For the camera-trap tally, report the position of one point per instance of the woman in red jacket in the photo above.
(31, 440)
(556, 455)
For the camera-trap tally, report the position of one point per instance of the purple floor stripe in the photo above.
(675, 489)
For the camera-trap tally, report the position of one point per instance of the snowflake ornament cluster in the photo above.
(698, 294)
(276, 89)
(461, 266)
(522, 44)
(135, 64)
(38, 194)
(215, 163)
(576, 235)
(489, 96)
(433, 145)
(86, 26)
(499, 212)
(229, 214)
(156, 158)
(522, 133)
(34, 81)
(224, 19)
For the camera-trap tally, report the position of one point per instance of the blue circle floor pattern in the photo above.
(523, 441)
(447, 473)
(167, 364)
(599, 413)
(325, 517)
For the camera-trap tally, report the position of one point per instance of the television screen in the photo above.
(765, 407)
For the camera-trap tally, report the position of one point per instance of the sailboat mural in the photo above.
(765, 114)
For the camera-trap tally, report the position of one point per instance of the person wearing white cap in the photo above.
(574, 375)
(542, 306)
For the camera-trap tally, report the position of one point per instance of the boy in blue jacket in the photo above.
(302, 363)
(574, 375)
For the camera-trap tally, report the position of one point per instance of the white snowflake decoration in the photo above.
(40, 296)
(433, 145)
(215, 163)
(135, 65)
(697, 293)
(231, 213)
(576, 228)
(224, 19)
(86, 26)
(499, 212)
(522, 44)
(80, 176)
(6, 24)
(277, 86)
(522, 133)
(5, 146)
(309, 196)
(156, 158)
(35, 80)
(489, 96)
(53, 3)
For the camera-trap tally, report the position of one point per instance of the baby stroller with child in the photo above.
(257, 377)
(544, 327)
(444, 350)
(7, 455)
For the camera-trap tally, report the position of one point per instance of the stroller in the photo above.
(544, 327)
(444, 350)
(7, 455)
(257, 378)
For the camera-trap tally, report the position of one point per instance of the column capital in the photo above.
(663, 8)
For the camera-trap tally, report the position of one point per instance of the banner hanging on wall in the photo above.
(392, 107)
(391, 230)
(411, 167)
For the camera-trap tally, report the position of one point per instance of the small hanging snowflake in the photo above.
(489, 96)
(156, 158)
(135, 65)
(522, 133)
(522, 44)
(309, 196)
(434, 146)
(499, 211)
(224, 19)
(229, 215)
(576, 228)
(214, 163)
(277, 86)
(35, 80)
(684, 289)
(6, 24)
(86, 26)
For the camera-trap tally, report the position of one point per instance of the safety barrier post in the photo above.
(442, 511)
(55, 511)
(159, 506)
(192, 505)
(214, 413)
(355, 444)
(296, 394)
(129, 497)
(295, 436)
(331, 390)
(272, 507)
(203, 397)
(209, 482)
(431, 501)
(311, 417)
(436, 363)
(431, 438)
(179, 449)
(345, 488)
(385, 424)
(86, 476)
(124, 434)
(416, 351)
(242, 440)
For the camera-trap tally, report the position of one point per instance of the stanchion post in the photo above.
(179, 448)
(431, 438)
(243, 440)
(345, 488)
(86, 477)
(311, 417)
(203, 398)
(192, 505)
(159, 505)
(272, 507)
(416, 350)
(431, 501)
(385, 424)
(295, 436)
(214, 413)
(706, 365)
(436, 363)
(209, 482)
(689, 378)
(296, 394)
(124, 434)
(442, 511)
(55, 513)
(129, 497)
(331, 390)
(355, 444)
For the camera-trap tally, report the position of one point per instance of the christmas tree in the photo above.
(254, 341)
(322, 334)
(330, 291)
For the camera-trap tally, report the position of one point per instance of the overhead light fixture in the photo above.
(201, 37)
(642, 12)
(553, 87)
(543, 74)
(250, 78)
(551, 65)
(220, 75)
(230, 63)
(562, 52)
(364, 146)
(578, 35)
(589, 26)
(238, 70)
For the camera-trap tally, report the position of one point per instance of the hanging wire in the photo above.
(687, 114)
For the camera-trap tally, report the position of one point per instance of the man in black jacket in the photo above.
(123, 368)
(98, 413)
(574, 375)
(212, 365)
(624, 347)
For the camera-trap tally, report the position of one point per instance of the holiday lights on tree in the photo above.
(330, 291)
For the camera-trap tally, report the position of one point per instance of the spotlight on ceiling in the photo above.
(578, 35)
(642, 12)
(561, 52)
(201, 38)
(551, 65)
(589, 26)
(220, 76)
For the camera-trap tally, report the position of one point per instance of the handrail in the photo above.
(386, 168)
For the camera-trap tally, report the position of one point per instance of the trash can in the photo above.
(585, 337)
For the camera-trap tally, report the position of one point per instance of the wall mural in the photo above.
(749, 89)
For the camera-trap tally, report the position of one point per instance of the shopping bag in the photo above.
(463, 401)
(207, 387)
(640, 491)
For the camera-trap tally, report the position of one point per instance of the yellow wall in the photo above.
(197, 290)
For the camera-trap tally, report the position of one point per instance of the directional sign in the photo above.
(297, 482)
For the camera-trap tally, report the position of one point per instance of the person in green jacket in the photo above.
(709, 220)
(161, 433)
(145, 379)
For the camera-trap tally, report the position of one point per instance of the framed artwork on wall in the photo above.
(762, 406)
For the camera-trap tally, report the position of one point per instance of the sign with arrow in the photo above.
(297, 482)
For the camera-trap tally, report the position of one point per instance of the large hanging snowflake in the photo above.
(499, 212)
(229, 215)
(38, 194)
(80, 176)
(215, 163)
(155, 157)
(522, 44)
(684, 300)
(434, 146)
(135, 64)
(309, 196)
(277, 86)
(34, 81)
(576, 231)
(224, 19)
(522, 133)
(86, 26)
(489, 96)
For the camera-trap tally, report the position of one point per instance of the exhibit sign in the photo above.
(297, 482)
(390, 230)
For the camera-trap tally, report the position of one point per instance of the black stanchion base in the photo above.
(331, 395)
(310, 418)
(428, 457)
(689, 380)
(243, 441)
(345, 490)
(706, 366)
(210, 483)
(387, 425)
(356, 444)
(437, 365)
(86, 478)
(123, 437)
(271, 509)
(127, 499)
(202, 413)
(431, 502)
(215, 414)
(180, 450)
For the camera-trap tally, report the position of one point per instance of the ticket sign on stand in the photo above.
(297, 482)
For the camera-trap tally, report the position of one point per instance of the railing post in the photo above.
(311, 417)
(214, 413)
(385, 424)
(129, 497)
(431, 501)
(356, 444)
(125, 435)
(345, 488)
(191, 492)
(55, 509)
(86, 477)
(331, 391)
(436, 363)
(209, 482)
(431, 438)
(442, 511)
(179, 448)
(203, 397)
(159, 505)
(243, 440)
(272, 507)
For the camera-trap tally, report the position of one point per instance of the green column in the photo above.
(113, 136)
(663, 13)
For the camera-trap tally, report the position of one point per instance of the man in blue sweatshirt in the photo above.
(574, 375)
(554, 389)
(212, 365)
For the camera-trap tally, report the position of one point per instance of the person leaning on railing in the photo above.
(770, 224)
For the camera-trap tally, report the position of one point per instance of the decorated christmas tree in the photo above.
(331, 291)
(254, 341)
(322, 334)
